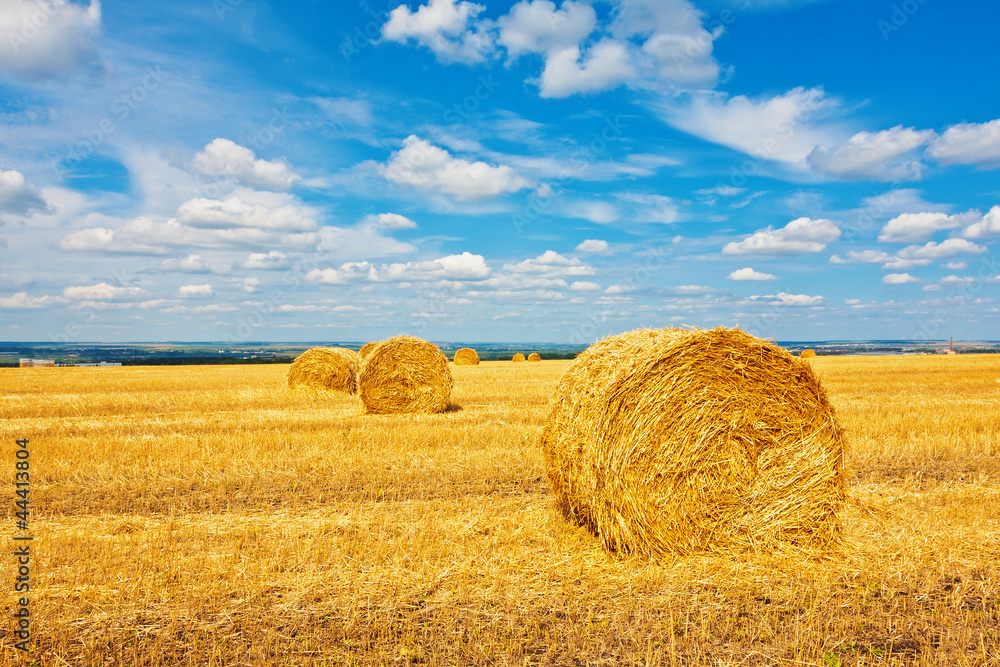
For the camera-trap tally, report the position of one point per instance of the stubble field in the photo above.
(208, 516)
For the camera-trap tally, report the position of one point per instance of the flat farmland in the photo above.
(206, 515)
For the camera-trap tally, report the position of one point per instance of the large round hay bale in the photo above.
(466, 357)
(367, 348)
(806, 354)
(405, 374)
(325, 368)
(669, 441)
(517, 357)
(534, 356)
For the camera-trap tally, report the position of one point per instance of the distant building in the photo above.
(38, 363)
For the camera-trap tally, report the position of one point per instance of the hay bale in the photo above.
(367, 348)
(326, 368)
(534, 356)
(806, 354)
(517, 357)
(466, 357)
(405, 374)
(669, 441)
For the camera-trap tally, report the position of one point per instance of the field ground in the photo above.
(208, 516)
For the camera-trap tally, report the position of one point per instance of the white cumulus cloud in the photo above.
(593, 246)
(427, 167)
(446, 27)
(224, 158)
(538, 27)
(19, 196)
(786, 299)
(41, 39)
(551, 264)
(190, 264)
(799, 236)
(101, 292)
(266, 261)
(749, 274)
(988, 227)
(898, 279)
(278, 214)
(451, 267)
(969, 143)
(880, 156)
(606, 65)
(916, 227)
(947, 248)
(21, 301)
(202, 291)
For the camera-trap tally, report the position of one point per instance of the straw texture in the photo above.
(669, 441)
(367, 348)
(517, 357)
(466, 357)
(806, 354)
(325, 368)
(405, 374)
(534, 356)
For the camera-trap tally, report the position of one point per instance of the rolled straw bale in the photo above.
(534, 356)
(326, 368)
(405, 374)
(517, 357)
(367, 348)
(669, 441)
(466, 357)
(806, 354)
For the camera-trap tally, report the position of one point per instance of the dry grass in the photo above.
(807, 354)
(201, 516)
(534, 356)
(517, 357)
(680, 441)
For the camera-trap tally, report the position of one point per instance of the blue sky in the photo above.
(531, 171)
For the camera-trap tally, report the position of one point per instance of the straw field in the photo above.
(211, 516)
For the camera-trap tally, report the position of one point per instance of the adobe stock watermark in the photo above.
(72, 329)
(538, 202)
(585, 332)
(262, 312)
(750, 166)
(961, 296)
(31, 26)
(369, 34)
(899, 16)
(121, 110)
(868, 219)
(258, 139)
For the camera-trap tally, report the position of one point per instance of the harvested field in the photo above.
(201, 515)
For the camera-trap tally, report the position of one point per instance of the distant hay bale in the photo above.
(405, 374)
(466, 357)
(806, 354)
(517, 357)
(669, 441)
(326, 368)
(367, 348)
(534, 356)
